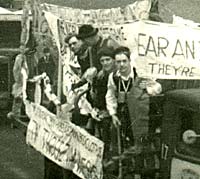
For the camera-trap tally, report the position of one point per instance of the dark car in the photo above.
(180, 156)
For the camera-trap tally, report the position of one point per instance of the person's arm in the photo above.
(111, 100)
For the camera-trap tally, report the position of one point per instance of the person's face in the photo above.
(75, 44)
(47, 54)
(107, 63)
(122, 63)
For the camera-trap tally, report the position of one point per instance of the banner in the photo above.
(159, 50)
(164, 51)
(138, 10)
(64, 143)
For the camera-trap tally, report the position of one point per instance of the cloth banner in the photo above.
(137, 10)
(64, 143)
(159, 50)
(164, 51)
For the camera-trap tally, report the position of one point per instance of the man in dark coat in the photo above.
(46, 64)
(80, 50)
(92, 38)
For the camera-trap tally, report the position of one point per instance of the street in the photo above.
(18, 160)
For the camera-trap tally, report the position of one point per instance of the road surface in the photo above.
(18, 160)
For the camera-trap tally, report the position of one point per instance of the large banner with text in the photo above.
(159, 50)
(164, 51)
(66, 144)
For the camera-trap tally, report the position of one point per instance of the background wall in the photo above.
(188, 9)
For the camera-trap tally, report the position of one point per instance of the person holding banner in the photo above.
(91, 37)
(76, 82)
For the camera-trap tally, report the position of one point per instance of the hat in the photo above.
(86, 31)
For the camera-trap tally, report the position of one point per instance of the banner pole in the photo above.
(59, 86)
(25, 22)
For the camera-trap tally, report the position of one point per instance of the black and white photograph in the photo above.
(94, 89)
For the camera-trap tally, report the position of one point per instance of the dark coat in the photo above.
(48, 66)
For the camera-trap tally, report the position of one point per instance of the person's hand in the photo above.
(90, 74)
(115, 121)
(94, 114)
(143, 84)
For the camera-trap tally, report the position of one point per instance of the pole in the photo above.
(59, 85)
(119, 152)
(25, 22)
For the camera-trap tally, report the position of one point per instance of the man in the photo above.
(46, 64)
(76, 82)
(106, 58)
(91, 37)
(120, 83)
(78, 60)
(17, 89)
(128, 103)
(126, 90)
(80, 50)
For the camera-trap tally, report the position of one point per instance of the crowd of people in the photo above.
(117, 96)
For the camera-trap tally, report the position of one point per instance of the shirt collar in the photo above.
(131, 75)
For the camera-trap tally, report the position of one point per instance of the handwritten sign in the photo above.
(164, 51)
(137, 10)
(66, 144)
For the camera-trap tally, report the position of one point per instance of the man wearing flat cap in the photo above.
(91, 37)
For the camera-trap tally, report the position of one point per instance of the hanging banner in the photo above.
(137, 10)
(164, 51)
(64, 143)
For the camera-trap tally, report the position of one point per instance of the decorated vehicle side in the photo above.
(180, 158)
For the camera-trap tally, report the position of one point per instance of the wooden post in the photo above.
(59, 85)
(119, 152)
(25, 23)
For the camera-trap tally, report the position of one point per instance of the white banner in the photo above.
(159, 50)
(164, 51)
(66, 144)
(138, 10)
